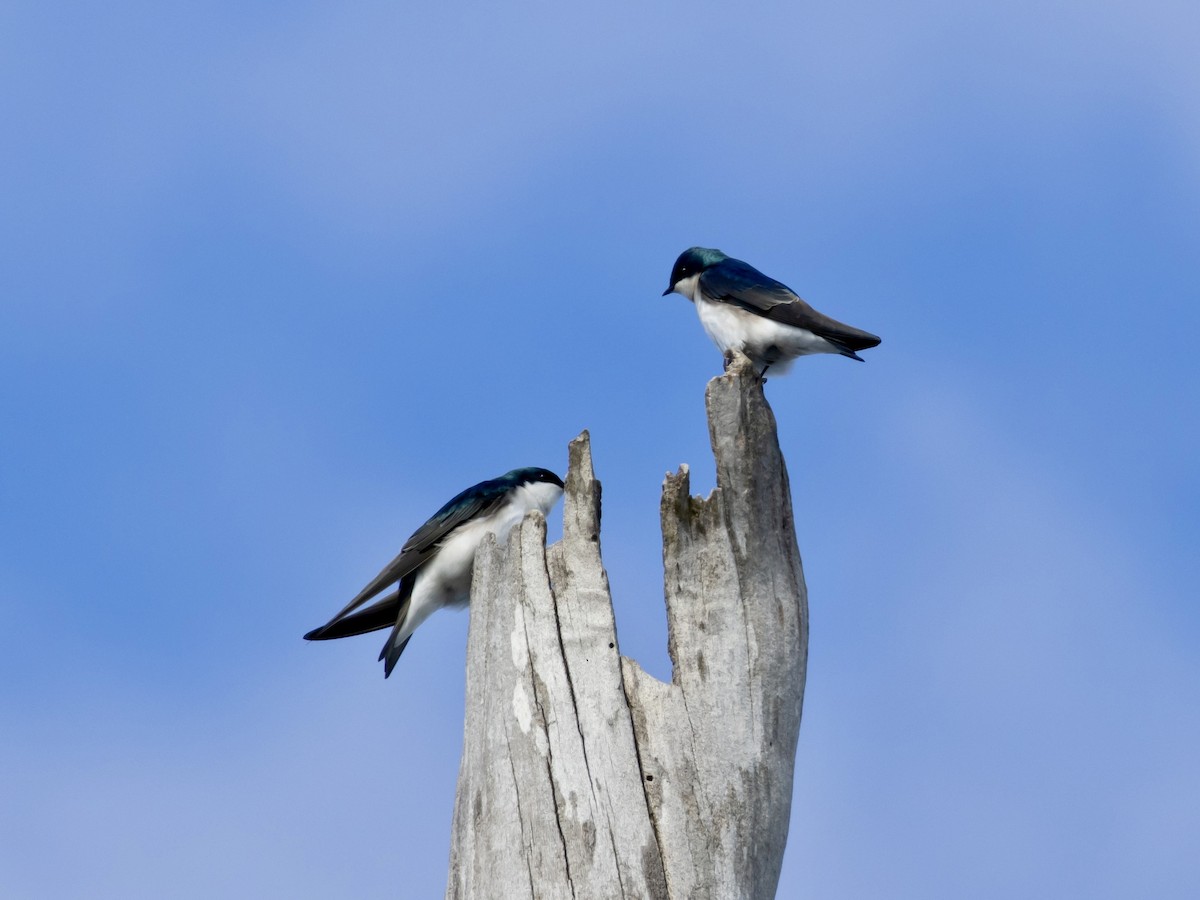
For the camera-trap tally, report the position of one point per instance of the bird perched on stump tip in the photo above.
(744, 310)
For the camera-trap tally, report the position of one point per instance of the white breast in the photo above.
(763, 340)
(540, 495)
(446, 579)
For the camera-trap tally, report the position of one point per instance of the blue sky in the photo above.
(276, 280)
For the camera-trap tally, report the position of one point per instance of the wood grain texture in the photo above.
(581, 775)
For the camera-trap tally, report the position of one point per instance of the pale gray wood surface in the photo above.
(582, 776)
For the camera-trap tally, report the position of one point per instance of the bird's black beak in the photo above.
(668, 290)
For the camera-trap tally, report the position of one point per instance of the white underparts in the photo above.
(446, 579)
(764, 340)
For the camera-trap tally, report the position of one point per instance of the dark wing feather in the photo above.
(384, 613)
(739, 283)
(475, 501)
(390, 654)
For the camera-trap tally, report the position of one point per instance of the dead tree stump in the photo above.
(584, 777)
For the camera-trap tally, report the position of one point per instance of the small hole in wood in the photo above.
(611, 645)
(649, 777)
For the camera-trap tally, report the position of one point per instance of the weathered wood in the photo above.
(583, 776)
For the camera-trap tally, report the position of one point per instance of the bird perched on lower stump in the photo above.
(742, 309)
(433, 568)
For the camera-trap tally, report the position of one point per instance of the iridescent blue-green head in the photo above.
(691, 262)
(536, 482)
(532, 475)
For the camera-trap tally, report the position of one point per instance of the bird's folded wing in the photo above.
(418, 548)
(382, 613)
(740, 284)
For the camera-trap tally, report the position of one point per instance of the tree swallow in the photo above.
(434, 566)
(743, 309)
